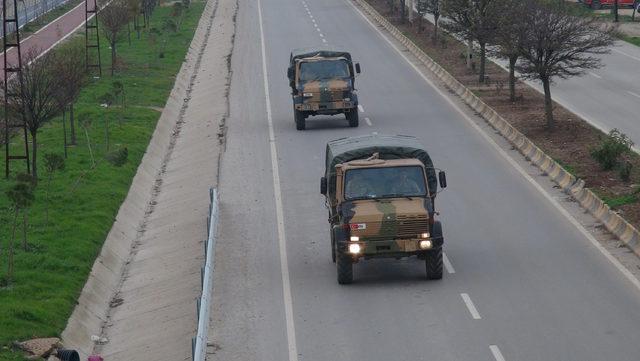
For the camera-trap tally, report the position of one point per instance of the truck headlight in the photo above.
(354, 248)
(425, 244)
(307, 95)
(354, 238)
(424, 235)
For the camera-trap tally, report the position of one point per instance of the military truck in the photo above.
(380, 192)
(322, 83)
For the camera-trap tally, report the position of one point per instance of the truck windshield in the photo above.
(390, 182)
(323, 69)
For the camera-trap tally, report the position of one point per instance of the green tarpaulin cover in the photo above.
(387, 146)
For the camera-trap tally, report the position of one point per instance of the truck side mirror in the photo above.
(357, 68)
(442, 177)
(290, 73)
(323, 186)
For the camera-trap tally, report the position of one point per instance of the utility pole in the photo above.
(11, 41)
(92, 36)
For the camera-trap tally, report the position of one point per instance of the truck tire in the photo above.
(333, 249)
(433, 262)
(352, 117)
(299, 118)
(344, 266)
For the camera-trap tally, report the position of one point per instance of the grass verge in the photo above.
(85, 199)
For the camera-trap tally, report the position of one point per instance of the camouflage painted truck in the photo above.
(380, 192)
(322, 83)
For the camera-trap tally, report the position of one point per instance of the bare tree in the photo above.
(34, 93)
(473, 20)
(509, 36)
(21, 197)
(114, 17)
(135, 8)
(69, 70)
(560, 45)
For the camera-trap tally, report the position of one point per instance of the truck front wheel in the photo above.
(344, 265)
(433, 262)
(352, 117)
(299, 118)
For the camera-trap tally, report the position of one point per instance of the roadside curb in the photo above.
(571, 185)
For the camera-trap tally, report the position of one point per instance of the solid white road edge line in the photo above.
(629, 55)
(470, 306)
(447, 264)
(634, 94)
(282, 242)
(628, 275)
(595, 75)
(496, 353)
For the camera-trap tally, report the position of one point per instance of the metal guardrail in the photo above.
(199, 343)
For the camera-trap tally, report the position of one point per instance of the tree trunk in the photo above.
(411, 13)
(403, 11)
(469, 52)
(129, 32)
(46, 204)
(64, 131)
(512, 77)
(34, 156)
(72, 125)
(548, 104)
(113, 57)
(11, 250)
(435, 27)
(615, 11)
(25, 219)
(483, 59)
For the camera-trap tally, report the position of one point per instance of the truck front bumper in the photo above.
(329, 107)
(397, 248)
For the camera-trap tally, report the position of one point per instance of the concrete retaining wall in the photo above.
(571, 185)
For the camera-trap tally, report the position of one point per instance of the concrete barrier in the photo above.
(571, 185)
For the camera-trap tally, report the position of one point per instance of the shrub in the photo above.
(611, 148)
(625, 171)
(118, 157)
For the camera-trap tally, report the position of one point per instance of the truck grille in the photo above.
(401, 227)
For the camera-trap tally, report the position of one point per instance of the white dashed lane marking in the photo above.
(447, 263)
(496, 353)
(360, 108)
(595, 75)
(472, 308)
(368, 121)
(634, 94)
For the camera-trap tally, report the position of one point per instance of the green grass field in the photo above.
(84, 200)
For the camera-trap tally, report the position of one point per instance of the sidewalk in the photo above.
(49, 36)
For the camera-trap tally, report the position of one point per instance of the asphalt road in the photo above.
(524, 283)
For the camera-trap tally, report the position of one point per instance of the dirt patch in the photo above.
(570, 143)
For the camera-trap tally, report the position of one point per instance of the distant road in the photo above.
(33, 10)
(50, 35)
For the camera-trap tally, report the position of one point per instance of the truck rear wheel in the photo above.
(344, 266)
(352, 117)
(299, 118)
(433, 262)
